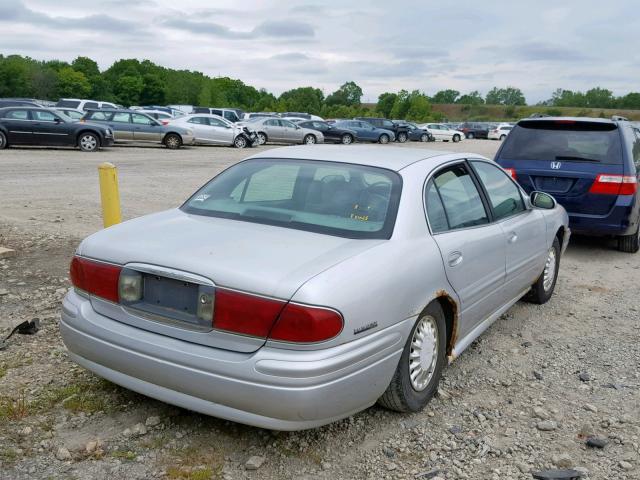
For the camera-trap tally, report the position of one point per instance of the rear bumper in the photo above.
(618, 221)
(270, 388)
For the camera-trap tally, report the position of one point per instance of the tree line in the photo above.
(133, 82)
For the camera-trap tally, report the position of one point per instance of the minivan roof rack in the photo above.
(619, 118)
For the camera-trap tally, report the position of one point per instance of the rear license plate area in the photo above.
(554, 184)
(172, 301)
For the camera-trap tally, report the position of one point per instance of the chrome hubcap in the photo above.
(423, 353)
(346, 139)
(262, 139)
(88, 142)
(549, 270)
(240, 142)
(384, 139)
(310, 140)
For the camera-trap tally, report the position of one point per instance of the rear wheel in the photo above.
(470, 135)
(629, 243)
(346, 139)
(384, 138)
(240, 142)
(402, 137)
(173, 141)
(262, 138)
(502, 137)
(542, 290)
(3, 141)
(88, 142)
(420, 367)
(424, 137)
(456, 138)
(310, 139)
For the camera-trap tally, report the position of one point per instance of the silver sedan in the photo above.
(305, 284)
(280, 130)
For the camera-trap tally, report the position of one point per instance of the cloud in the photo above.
(284, 28)
(290, 57)
(270, 29)
(16, 12)
(534, 51)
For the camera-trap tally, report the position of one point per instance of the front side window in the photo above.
(287, 123)
(216, 122)
(106, 115)
(199, 120)
(120, 117)
(460, 198)
(504, 195)
(43, 116)
(353, 201)
(141, 119)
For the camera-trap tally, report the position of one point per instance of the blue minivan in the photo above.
(590, 165)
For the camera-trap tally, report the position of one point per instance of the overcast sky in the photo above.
(381, 45)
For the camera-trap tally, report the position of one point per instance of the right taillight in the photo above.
(608, 184)
(511, 171)
(253, 315)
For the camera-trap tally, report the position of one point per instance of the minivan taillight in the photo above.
(96, 278)
(607, 184)
(247, 314)
(511, 171)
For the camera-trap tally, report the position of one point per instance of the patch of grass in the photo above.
(181, 463)
(188, 474)
(87, 396)
(3, 371)
(14, 408)
(123, 454)
(8, 456)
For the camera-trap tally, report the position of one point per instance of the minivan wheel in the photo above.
(173, 141)
(424, 137)
(402, 137)
(88, 142)
(470, 136)
(420, 367)
(456, 138)
(310, 139)
(240, 142)
(542, 290)
(629, 243)
(346, 139)
(384, 138)
(3, 141)
(262, 138)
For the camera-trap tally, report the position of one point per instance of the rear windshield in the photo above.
(347, 200)
(564, 140)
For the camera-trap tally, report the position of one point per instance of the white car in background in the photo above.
(162, 117)
(500, 132)
(442, 132)
(210, 129)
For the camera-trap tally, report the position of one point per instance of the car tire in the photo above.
(384, 138)
(3, 140)
(542, 290)
(502, 137)
(346, 139)
(424, 138)
(629, 243)
(88, 142)
(172, 141)
(262, 138)
(405, 394)
(470, 136)
(402, 137)
(456, 138)
(310, 140)
(240, 142)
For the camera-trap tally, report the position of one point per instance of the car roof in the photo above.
(571, 119)
(118, 110)
(392, 158)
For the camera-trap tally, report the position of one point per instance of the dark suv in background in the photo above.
(589, 165)
(474, 129)
(401, 131)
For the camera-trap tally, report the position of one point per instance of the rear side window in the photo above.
(106, 116)
(17, 114)
(68, 104)
(90, 105)
(564, 140)
(503, 194)
(460, 198)
(636, 149)
(121, 117)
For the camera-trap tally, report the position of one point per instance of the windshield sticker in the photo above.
(201, 198)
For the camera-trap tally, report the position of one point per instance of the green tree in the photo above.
(15, 76)
(630, 101)
(72, 83)
(419, 107)
(385, 103)
(348, 94)
(303, 99)
(505, 96)
(599, 98)
(471, 98)
(445, 96)
(87, 66)
(401, 105)
(128, 88)
(152, 90)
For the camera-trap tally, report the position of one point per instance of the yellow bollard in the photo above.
(109, 195)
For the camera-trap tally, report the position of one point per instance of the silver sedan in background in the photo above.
(214, 130)
(304, 284)
(279, 130)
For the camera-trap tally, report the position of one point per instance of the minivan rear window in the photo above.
(347, 200)
(566, 140)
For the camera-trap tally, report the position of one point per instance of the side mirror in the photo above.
(297, 127)
(542, 200)
(57, 120)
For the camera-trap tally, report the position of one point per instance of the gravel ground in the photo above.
(528, 395)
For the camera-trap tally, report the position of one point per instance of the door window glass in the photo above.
(504, 195)
(271, 123)
(215, 122)
(17, 114)
(106, 115)
(199, 120)
(43, 116)
(141, 119)
(460, 197)
(287, 123)
(117, 117)
(90, 105)
(435, 209)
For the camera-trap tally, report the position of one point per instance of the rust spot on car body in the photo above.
(453, 313)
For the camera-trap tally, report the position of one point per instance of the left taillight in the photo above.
(96, 278)
(512, 172)
(607, 184)
(306, 324)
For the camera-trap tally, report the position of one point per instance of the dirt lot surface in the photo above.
(526, 396)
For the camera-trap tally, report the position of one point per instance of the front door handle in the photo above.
(513, 237)
(455, 258)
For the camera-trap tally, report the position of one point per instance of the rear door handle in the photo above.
(513, 237)
(455, 258)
